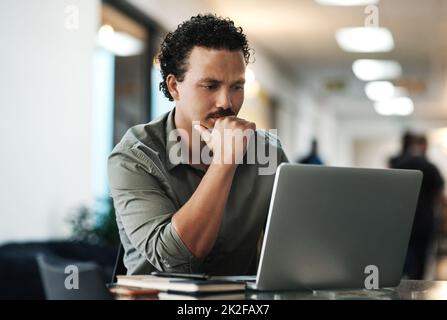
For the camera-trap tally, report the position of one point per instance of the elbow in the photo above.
(199, 247)
(201, 252)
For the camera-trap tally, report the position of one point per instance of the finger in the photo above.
(204, 133)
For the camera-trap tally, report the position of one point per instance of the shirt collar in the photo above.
(170, 126)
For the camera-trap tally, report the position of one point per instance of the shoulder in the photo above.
(151, 134)
(143, 144)
(268, 138)
(270, 142)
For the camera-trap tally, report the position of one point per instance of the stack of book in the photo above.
(185, 288)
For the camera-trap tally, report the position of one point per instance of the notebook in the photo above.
(180, 284)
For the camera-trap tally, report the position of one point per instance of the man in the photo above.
(312, 157)
(406, 141)
(430, 200)
(195, 216)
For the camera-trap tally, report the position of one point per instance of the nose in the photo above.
(224, 99)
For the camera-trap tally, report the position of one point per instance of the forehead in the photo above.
(215, 63)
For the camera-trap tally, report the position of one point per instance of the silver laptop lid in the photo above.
(326, 225)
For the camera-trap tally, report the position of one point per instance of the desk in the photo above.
(407, 290)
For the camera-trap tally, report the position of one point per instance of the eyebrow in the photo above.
(215, 81)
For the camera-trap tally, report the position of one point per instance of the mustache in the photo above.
(222, 113)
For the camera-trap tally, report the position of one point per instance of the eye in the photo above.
(238, 87)
(210, 87)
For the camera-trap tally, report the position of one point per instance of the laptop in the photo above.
(332, 227)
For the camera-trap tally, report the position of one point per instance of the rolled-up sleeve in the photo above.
(145, 211)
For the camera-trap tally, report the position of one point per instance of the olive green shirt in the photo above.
(147, 189)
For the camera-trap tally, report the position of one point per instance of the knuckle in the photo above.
(250, 125)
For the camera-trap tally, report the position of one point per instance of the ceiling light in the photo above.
(371, 70)
(379, 90)
(402, 106)
(365, 39)
(346, 2)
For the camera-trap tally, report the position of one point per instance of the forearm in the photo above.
(198, 221)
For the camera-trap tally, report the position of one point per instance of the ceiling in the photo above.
(304, 30)
(299, 35)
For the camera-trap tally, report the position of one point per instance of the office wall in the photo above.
(46, 105)
(281, 88)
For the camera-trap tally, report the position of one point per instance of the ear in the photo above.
(172, 83)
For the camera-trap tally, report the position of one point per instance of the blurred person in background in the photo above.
(312, 157)
(430, 200)
(406, 141)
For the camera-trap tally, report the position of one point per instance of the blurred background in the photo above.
(351, 75)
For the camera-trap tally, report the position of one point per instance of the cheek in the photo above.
(205, 98)
(192, 97)
(201, 102)
(238, 99)
(184, 92)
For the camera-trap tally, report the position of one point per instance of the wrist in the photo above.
(226, 167)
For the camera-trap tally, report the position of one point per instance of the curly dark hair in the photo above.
(209, 31)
